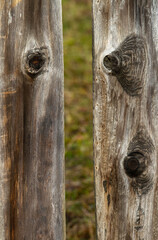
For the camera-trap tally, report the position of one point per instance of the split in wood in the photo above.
(139, 162)
(140, 218)
(35, 61)
(128, 63)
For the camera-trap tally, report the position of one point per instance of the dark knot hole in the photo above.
(111, 62)
(134, 164)
(36, 62)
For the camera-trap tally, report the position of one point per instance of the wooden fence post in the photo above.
(125, 51)
(31, 121)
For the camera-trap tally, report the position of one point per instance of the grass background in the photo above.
(77, 25)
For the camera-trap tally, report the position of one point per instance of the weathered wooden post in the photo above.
(31, 120)
(126, 118)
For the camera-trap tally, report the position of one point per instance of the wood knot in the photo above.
(135, 164)
(35, 61)
(128, 64)
(139, 164)
(112, 63)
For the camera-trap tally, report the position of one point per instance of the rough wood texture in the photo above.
(31, 121)
(126, 118)
(128, 63)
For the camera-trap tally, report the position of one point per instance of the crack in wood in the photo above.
(105, 186)
(140, 217)
(108, 199)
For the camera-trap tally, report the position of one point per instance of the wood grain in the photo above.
(128, 64)
(126, 206)
(31, 123)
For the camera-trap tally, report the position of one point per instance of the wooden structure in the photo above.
(31, 120)
(125, 51)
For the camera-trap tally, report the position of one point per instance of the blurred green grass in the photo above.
(77, 25)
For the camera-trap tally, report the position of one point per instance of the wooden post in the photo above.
(31, 120)
(125, 52)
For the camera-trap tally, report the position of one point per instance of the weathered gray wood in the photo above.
(31, 120)
(126, 118)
